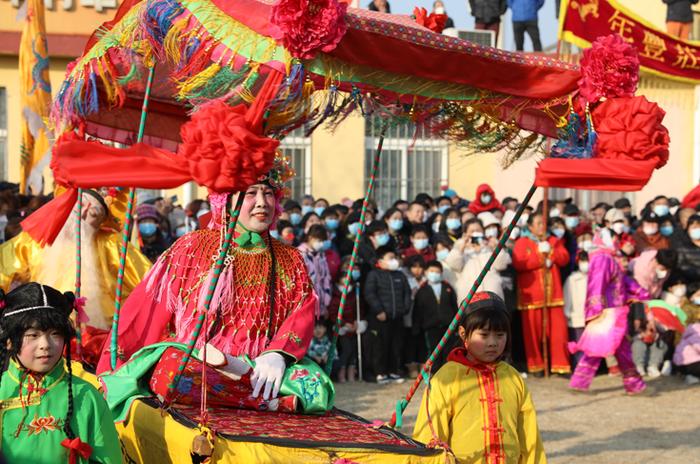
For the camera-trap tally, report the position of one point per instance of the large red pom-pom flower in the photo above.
(610, 68)
(223, 152)
(631, 128)
(309, 26)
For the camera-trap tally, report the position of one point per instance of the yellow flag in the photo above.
(35, 93)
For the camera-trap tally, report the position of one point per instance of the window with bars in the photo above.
(410, 163)
(298, 149)
(3, 133)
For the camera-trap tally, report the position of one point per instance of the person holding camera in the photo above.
(468, 257)
(537, 257)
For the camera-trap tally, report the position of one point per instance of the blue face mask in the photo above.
(354, 228)
(443, 208)
(453, 223)
(382, 239)
(666, 230)
(396, 224)
(433, 277)
(319, 210)
(274, 234)
(295, 219)
(694, 234)
(326, 245)
(661, 210)
(332, 224)
(147, 229)
(558, 233)
(356, 274)
(444, 253)
(306, 209)
(571, 222)
(420, 243)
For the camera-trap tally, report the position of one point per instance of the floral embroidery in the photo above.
(299, 374)
(43, 424)
(292, 336)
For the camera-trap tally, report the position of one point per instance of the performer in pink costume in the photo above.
(609, 292)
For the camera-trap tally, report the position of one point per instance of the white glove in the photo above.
(361, 327)
(548, 263)
(544, 247)
(224, 362)
(342, 331)
(269, 370)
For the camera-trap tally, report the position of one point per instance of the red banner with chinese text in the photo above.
(582, 21)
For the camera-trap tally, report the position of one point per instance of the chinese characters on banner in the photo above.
(582, 21)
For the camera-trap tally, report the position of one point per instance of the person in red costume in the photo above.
(485, 200)
(263, 305)
(536, 258)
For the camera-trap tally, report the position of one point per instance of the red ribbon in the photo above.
(76, 448)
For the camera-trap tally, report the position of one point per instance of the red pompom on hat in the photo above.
(630, 128)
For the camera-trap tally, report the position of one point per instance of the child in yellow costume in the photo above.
(477, 405)
(24, 259)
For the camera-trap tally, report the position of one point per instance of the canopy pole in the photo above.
(126, 232)
(356, 246)
(425, 370)
(78, 269)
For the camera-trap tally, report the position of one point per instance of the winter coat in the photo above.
(689, 266)
(428, 312)
(388, 292)
(680, 10)
(320, 276)
(467, 266)
(524, 10)
(476, 206)
(688, 350)
(487, 11)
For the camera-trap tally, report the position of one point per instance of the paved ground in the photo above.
(602, 427)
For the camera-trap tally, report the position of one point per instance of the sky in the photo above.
(458, 10)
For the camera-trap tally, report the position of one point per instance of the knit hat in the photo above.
(146, 211)
(614, 215)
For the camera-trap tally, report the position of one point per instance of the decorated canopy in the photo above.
(386, 64)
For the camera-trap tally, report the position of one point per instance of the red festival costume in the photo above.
(170, 296)
(533, 277)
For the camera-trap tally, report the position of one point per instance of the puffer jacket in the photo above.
(389, 292)
(525, 10)
(487, 11)
(689, 265)
(688, 350)
(680, 10)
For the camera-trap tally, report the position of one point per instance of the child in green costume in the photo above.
(48, 415)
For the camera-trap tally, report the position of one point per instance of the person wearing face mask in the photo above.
(434, 307)
(331, 220)
(439, 9)
(468, 257)
(397, 227)
(313, 249)
(388, 297)
(443, 204)
(351, 325)
(443, 245)
(484, 200)
(575, 300)
(376, 236)
(537, 258)
(557, 228)
(451, 225)
(345, 239)
(420, 244)
(148, 224)
(320, 206)
(285, 233)
(689, 259)
(660, 206)
(648, 234)
(292, 210)
(413, 352)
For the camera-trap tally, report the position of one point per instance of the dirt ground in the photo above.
(604, 426)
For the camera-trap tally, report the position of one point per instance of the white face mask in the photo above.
(586, 245)
(679, 290)
(491, 232)
(392, 264)
(485, 198)
(439, 10)
(554, 212)
(618, 228)
(583, 266)
(651, 229)
(515, 234)
(661, 274)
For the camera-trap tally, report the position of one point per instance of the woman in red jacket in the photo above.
(536, 258)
